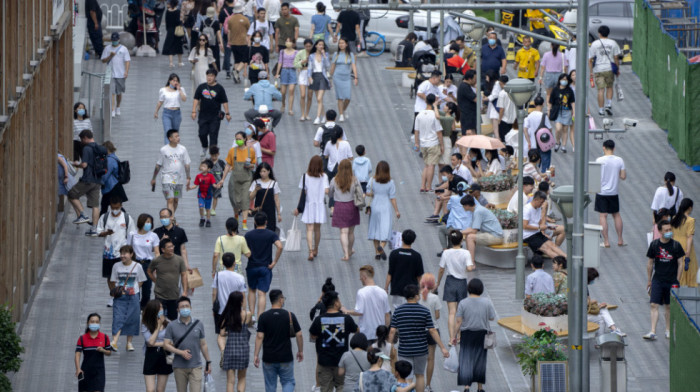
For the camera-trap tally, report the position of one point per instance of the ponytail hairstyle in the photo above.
(456, 237)
(669, 178)
(329, 299)
(427, 284)
(373, 355)
(382, 335)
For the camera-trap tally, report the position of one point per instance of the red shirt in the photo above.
(459, 63)
(205, 181)
(87, 343)
(268, 141)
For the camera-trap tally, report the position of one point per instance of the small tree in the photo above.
(10, 348)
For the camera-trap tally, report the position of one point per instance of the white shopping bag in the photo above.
(451, 364)
(396, 239)
(293, 243)
(209, 385)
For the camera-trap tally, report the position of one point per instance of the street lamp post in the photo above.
(520, 91)
(476, 32)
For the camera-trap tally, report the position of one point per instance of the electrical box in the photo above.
(594, 173)
(591, 245)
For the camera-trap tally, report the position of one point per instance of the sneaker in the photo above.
(601, 112)
(208, 224)
(341, 118)
(180, 64)
(236, 76)
(91, 233)
(608, 110)
(129, 347)
(432, 217)
(556, 147)
(315, 388)
(213, 212)
(204, 152)
(649, 336)
(245, 227)
(119, 112)
(228, 74)
(201, 222)
(81, 219)
(667, 334)
(110, 302)
(563, 149)
(619, 332)
(113, 113)
(317, 121)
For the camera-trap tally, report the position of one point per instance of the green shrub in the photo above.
(10, 348)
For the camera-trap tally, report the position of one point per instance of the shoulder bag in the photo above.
(302, 197)
(262, 203)
(120, 290)
(490, 340)
(613, 66)
(672, 210)
(171, 356)
(356, 361)
(358, 197)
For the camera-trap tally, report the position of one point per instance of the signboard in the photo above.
(58, 7)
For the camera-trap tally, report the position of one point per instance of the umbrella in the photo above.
(480, 141)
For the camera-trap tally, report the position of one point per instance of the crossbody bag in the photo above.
(171, 356)
(120, 290)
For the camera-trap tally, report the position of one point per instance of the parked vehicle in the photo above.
(618, 15)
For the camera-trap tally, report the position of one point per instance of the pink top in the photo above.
(552, 63)
(268, 141)
(287, 60)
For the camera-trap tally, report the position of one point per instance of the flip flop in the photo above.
(622, 244)
(604, 246)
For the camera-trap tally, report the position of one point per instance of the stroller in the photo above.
(424, 63)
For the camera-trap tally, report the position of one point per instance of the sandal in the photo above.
(311, 256)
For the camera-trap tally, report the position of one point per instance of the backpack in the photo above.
(544, 137)
(99, 160)
(123, 171)
(327, 134)
(208, 30)
(228, 16)
(126, 221)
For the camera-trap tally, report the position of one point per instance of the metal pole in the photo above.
(429, 26)
(411, 26)
(441, 39)
(577, 316)
(479, 98)
(520, 258)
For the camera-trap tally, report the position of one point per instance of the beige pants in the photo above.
(188, 376)
(488, 239)
(328, 379)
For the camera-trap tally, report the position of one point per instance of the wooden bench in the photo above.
(400, 68)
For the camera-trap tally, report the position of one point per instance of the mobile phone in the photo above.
(81, 376)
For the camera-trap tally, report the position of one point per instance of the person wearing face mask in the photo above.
(129, 276)
(167, 271)
(173, 232)
(110, 181)
(251, 140)
(155, 368)
(287, 74)
(185, 338)
(562, 109)
(527, 60)
(493, 57)
(118, 57)
(93, 345)
(145, 244)
(240, 161)
(81, 121)
(263, 93)
(115, 226)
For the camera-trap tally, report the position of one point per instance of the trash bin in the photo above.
(613, 366)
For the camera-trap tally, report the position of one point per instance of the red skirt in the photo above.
(345, 214)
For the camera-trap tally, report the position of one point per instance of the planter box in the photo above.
(510, 235)
(498, 198)
(533, 321)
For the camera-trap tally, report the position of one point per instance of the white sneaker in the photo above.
(119, 112)
(341, 118)
(110, 302)
(317, 121)
(204, 152)
(668, 334)
(113, 113)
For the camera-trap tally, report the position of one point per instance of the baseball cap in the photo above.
(383, 356)
(115, 36)
(262, 75)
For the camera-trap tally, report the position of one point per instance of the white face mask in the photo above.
(256, 40)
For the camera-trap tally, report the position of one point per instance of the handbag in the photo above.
(118, 291)
(170, 357)
(179, 31)
(293, 243)
(302, 197)
(358, 198)
(291, 326)
(194, 279)
(490, 340)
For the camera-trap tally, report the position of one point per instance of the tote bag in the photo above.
(293, 243)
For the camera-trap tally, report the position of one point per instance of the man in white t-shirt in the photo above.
(507, 112)
(173, 159)
(328, 129)
(528, 186)
(602, 54)
(226, 282)
(264, 26)
(115, 226)
(460, 169)
(532, 124)
(117, 55)
(430, 86)
(428, 137)
(534, 227)
(371, 305)
(607, 201)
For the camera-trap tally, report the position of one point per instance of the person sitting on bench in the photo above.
(534, 226)
(485, 228)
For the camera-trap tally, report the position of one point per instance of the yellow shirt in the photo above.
(236, 245)
(530, 14)
(238, 154)
(527, 61)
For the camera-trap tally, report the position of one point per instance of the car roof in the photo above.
(594, 2)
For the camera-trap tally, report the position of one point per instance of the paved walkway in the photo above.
(380, 114)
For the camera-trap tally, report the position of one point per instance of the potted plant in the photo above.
(541, 346)
(549, 310)
(497, 189)
(10, 348)
(509, 223)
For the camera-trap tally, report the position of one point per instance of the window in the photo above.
(611, 9)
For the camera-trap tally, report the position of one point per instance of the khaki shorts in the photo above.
(604, 79)
(172, 191)
(329, 379)
(431, 155)
(90, 189)
(488, 239)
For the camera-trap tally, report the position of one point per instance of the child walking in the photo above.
(361, 167)
(205, 181)
(218, 171)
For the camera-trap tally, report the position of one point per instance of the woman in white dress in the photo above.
(201, 57)
(668, 196)
(492, 111)
(315, 184)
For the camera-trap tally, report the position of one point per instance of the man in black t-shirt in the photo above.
(450, 182)
(331, 331)
(404, 52)
(176, 234)
(663, 255)
(275, 327)
(348, 27)
(93, 13)
(467, 101)
(260, 263)
(209, 97)
(405, 267)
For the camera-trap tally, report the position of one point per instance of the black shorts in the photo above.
(431, 341)
(607, 204)
(107, 265)
(660, 293)
(240, 53)
(536, 241)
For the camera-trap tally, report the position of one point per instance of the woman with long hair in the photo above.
(173, 44)
(494, 164)
(128, 275)
(382, 190)
(318, 76)
(683, 226)
(234, 341)
(201, 57)
(387, 347)
(354, 361)
(560, 276)
(562, 101)
(301, 63)
(345, 214)
(155, 368)
(432, 302)
(456, 261)
(335, 151)
(145, 243)
(344, 74)
(551, 66)
(314, 183)
(93, 345)
(265, 193)
(287, 74)
(171, 97)
(492, 88)
(473, 160)
(321, 24)
(81, 121)
(667, 196)
(449, 118)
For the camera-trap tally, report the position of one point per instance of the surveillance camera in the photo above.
(630, 122)
(607, 123)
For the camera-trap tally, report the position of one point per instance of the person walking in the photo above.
(382, 190)
(683, 226)
(145, 244)
(427, 134)
(314, 186)
(118, 58)
(607, 201)
(354, 362)
(286, 26)
(173, 159)
(344, 74)
(184, 337)
(173, 44)
(264, 27)
(345, 214)
(457, 262)
(202, 58)
(155, 367)
(493, 57)
(240, 161)
(604, 63)
(331, 331)
(225, 282)
(211, 28)
(371, 305)
(427, 87)
(319, 66)
(170, 98)
(260, 262)
(93, 13)
(467, 101)
(320, 24)
(267, 141)
(432, 302)
(234, 341)
(531, 126)
(405, 268)
(175, 233)
(376, 379)
(668, 196)
(81, 121)
(275, 328)
(527, 60)
(551, 66)
(507, 112)
(114, 226)
(209, 98)
(231, 242)
(259, 57)
(287, 74)
(110, 180)
(89, 183)
(167, 271)
(301, 63)
(472, 320)
(561, 101)
(128, 276)
(348, 27)
(237, 32)
(265, 193)
(93, 345)
(335, 151)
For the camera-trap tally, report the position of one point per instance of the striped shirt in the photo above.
(412, 320)
(79, 126)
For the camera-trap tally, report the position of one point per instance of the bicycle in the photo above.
(375, 43)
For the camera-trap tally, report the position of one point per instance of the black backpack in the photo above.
(105, 216)
(123, 171)
(327, 135)
(99, 160)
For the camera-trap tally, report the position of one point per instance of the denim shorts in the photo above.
(259, 278)
(205, 203)
(288, 76)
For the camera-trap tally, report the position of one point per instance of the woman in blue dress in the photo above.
(341, 66)
(383, 192)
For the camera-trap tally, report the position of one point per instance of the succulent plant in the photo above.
(507, 219)
(546, 305)
(498, 183)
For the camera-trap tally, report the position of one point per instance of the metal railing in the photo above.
(97, 99)
(115, 14)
